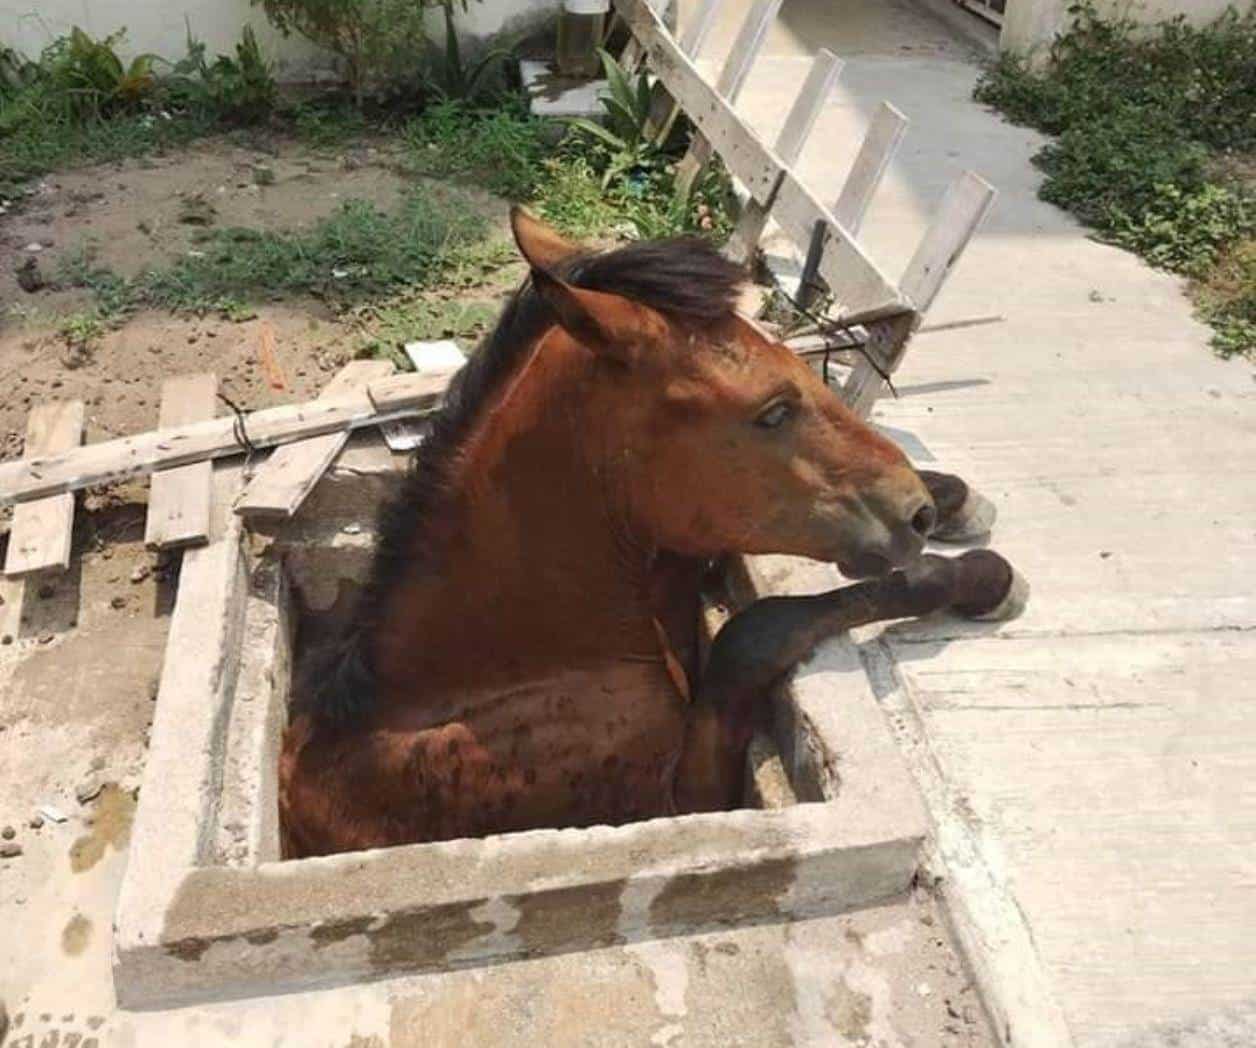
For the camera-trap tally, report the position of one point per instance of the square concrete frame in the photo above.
(207, 911)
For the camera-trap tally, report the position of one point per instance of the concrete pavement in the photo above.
(1091, 768)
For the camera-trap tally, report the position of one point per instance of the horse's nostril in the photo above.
(923, 521)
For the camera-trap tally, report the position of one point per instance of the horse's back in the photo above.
(576, 748)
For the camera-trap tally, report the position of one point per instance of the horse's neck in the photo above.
(536, 566)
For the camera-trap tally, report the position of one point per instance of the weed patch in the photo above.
(78, 103)
(388, 325)
(1149, 124)
(502, 147)
(575, 179)
(357, 253)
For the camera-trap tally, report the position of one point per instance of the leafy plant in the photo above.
(1227, 299)
(76, 79)
(515, 154)
(91, 78)
(376, 39)
(634, 143)
(80, 102)
(81, 333)
(17, 73)
(1143, 121)
(240, 89)
(328, 122)
(449, 76)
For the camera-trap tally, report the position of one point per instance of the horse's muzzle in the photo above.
(894, 533)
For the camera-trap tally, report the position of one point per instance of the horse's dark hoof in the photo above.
(993, 591)
(971, 522)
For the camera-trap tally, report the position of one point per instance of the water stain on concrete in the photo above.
(546, 925)
(421, 939)
(849, 1011)
(76, 935)
(740, 895)
(114, 813)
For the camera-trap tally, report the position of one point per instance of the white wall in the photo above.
(160, 27)
(1030, 25)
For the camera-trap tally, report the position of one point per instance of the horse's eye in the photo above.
(776, 415)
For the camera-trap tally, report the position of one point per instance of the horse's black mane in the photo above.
(685, 278)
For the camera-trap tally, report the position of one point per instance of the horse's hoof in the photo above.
(973, 521)
(995, 591)
(1011, 606)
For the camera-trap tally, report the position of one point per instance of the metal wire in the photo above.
(832, 331)
(239, 429)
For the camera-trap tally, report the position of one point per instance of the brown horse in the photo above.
(526, 652)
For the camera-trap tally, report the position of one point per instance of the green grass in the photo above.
(422, 271)
(387, 325)
(329, 123)
(36, 149)
(502, 147)
(355, 254)
(1148, 126)
(561, 173)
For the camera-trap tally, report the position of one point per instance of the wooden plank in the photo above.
(198, 677)
(419, 394)
(825, 68)
(746, 156)
(396, 397)
(860, 288)
(699, 27)
(963, 209)
(878, 148)
(662, 105)
(633, 54)
(886, 344)
(41, 531)
(732, 77)
(746, 48)
(178, 501)
(885, 133)
(283, 481)
(865, 290)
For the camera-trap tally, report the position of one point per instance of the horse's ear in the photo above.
(609, 325)
(538, 243)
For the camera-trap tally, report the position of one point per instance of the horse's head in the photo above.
(727, 439)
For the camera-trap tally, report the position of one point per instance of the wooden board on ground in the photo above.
(283, 481)
(178, 501)
(395, 397)
(42, 530)
(427, 358)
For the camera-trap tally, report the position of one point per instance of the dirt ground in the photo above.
(130, 212)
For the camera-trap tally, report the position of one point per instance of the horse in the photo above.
(525, 653)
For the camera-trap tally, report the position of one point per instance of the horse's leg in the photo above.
(766, 640)
(964, 515)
